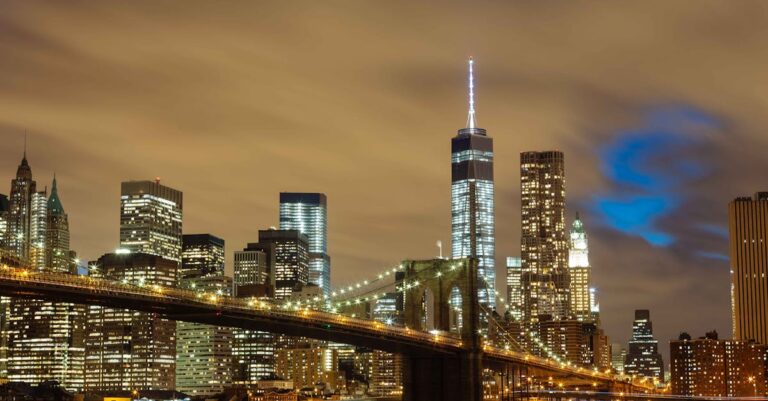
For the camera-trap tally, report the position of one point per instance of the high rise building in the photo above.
(618, 354)
(290, 259)
(125, 349)
(4, 208)
(308, 213)
(38, 229)
(580, 272)
(253, 266)
(201, 255)
(544, 246)
(514, 287)
(150, 219)
(748, 237)
(643, 357)
(204, 361)
(20, 205)
(472, 204)
(57, 250)
(711, 367)
(45, 339)
(204, 364)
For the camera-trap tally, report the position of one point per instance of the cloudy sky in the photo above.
(658, 106)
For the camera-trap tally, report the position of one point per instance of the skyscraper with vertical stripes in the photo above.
(308, 213)
(748, 237)
(472, 206)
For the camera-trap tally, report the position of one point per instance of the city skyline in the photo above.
(594, 149)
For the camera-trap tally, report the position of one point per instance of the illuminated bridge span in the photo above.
(437, 365)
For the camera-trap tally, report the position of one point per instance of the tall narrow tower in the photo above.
(544, 245)
(308, 213)
(472, 209)
(580, 273)
(23, 187)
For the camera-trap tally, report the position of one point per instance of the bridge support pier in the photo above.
(446, 378)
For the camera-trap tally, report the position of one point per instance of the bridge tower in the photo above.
(450, 377)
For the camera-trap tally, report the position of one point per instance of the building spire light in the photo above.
(471, 117)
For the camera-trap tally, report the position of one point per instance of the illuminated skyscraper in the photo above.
(125, 349)
(544, 245)
(204, 364)
(580, 272)
(201, 255)
(253, 265)
(20, 205)
(4, 207)
(514, 287)
(472, 207)
(290, 258)
(150, 219)
(748, 237)
(45, 339)
(307, 212)
(57, 234)
(643, 357)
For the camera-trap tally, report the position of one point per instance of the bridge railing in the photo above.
(239, 305)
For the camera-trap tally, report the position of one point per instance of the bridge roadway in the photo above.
(611, 396)
(255, 314)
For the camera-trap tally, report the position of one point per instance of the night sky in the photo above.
(660, 108)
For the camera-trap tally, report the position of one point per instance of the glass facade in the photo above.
(308, 213)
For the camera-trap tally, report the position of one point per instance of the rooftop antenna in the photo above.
(25, 143)
(440, 249)
(471, 117)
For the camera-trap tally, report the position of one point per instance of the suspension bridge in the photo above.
(441, 362)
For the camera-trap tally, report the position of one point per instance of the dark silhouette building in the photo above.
(643, 357)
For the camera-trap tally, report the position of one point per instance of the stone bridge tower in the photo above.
(451, 376)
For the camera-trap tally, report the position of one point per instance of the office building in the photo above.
(126, 349)
(57, 252)
(201, 255)
(204, 362)
(643, 357)
(4, 208)
(580, 271)
(44, 339)
(709, 367)
(308, 364)
(544, 246)
(595, 348)
(253, 265)
(618, 354)
(204, 358)
(150, 219)
(20, 204)
(290, 257)
(514, 288)
(308, 213)
(748, 238)
(472, 199)
(562, 337)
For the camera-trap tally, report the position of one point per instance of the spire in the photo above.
(54, 203)
(471, 117)
(25, 146)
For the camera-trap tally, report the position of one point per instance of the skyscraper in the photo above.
(4, 207)
(290, 258)
(580, 272)
(204, 364)
(514, 289)
(748, 238)
(544, 246)
(20, 205)
(150, 219)
(125, 349)
(307, 212)
(643, 357)
(201, 255)
(57, 234)
(472, 206)
(45, 339)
